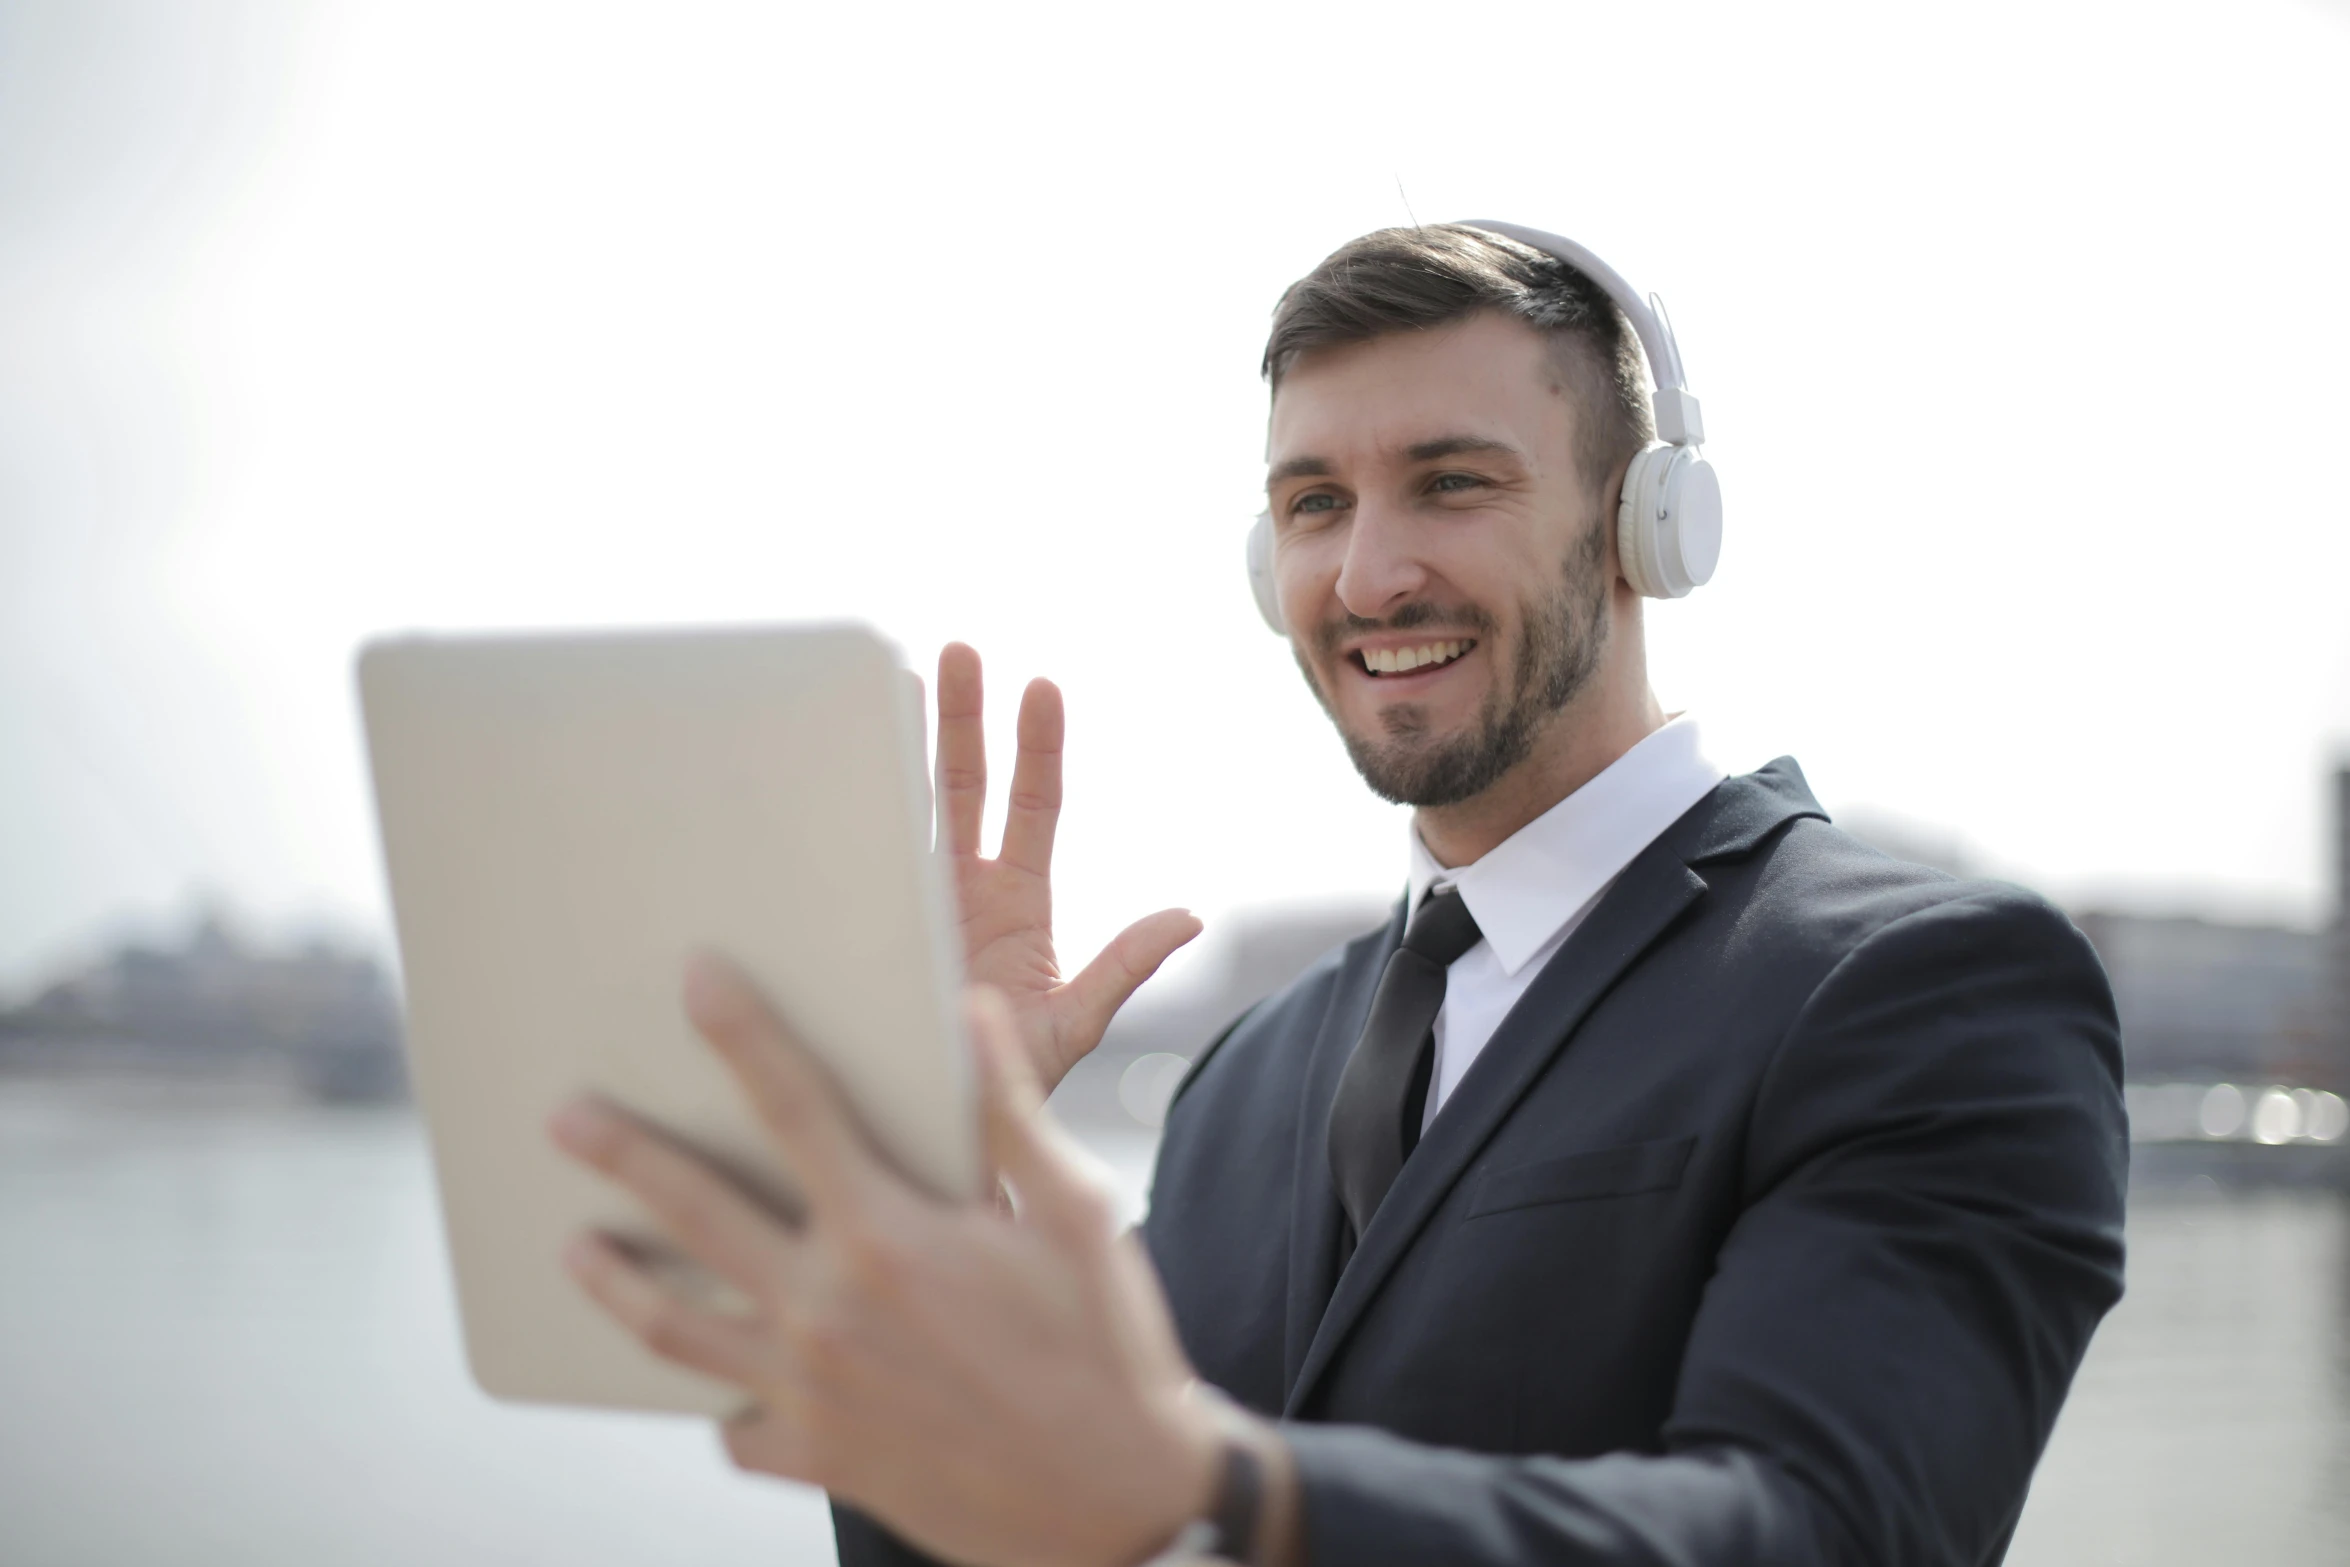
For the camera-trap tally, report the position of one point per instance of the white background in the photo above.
(2020, 329)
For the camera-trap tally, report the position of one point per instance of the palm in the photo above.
(1006, 903)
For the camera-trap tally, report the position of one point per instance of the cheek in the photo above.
(1493, 583)
(1305, 575)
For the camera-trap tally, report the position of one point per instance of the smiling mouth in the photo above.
(1383, 663)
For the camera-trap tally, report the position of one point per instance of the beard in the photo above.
(1564, 634)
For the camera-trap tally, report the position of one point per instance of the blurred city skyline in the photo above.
(330, 321)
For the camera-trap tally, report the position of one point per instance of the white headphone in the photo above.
(1669, 526)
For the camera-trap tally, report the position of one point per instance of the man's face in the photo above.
(1440, 560)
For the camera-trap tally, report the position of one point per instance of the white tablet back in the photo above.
(564, 819)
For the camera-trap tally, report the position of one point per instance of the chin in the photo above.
(1420, 769)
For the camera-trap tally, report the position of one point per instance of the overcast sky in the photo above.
(2020, 330)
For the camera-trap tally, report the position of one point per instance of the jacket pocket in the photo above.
(1575, 1177)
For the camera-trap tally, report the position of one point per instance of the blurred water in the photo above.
(2211, 1423)
(226, 1338)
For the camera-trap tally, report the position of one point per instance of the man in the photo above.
(1673, 1179)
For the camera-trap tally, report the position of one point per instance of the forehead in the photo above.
(1359, 402)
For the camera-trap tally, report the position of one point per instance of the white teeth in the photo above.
(1396, 661)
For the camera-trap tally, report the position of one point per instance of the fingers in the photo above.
(1133, 956)
(706, 1341)
(705, 1213)
(1035, 807)
(962, 750)
(1026, 1145)
(794, 1095)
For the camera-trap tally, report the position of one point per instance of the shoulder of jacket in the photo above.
(1833, 893)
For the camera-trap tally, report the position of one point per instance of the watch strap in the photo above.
(1240, 1499)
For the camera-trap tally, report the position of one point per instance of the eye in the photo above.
(1447, 483)
(1314, 501)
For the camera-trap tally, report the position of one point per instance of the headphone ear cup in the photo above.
(1669, 524)
(1260, 573)
(1636, 520)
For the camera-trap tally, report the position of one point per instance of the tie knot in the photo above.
(1443, 929)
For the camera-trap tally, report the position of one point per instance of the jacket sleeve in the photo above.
(1935, 1168)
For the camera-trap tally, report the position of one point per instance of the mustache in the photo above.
(1411, 617)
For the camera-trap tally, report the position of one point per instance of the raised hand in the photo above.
(1007, 902)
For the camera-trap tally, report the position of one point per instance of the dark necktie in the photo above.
(1368, 1134)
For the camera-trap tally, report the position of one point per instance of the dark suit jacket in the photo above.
(1770, 1227)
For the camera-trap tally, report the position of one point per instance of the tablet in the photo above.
(564, 819)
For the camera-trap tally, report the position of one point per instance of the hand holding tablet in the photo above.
(959, 1369)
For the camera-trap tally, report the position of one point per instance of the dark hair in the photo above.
(1410, 279)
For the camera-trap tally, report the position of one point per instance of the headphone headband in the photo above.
(1679, 422)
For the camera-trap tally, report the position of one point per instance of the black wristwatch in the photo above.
(1229, 1532)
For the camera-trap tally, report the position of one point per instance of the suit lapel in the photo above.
(1733, 821)
(1315, 1216)
(1653, 891)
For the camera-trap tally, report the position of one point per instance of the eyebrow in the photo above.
(1460, 445)
(1299, 468)
(1425, 451)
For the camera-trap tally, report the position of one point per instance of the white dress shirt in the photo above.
(1531, 890)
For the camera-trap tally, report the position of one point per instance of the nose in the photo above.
(1382, 569)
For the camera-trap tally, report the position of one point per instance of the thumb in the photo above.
(1133, 956)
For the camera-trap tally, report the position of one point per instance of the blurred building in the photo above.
(2208, 1000)
(2204, 999)
(2201, 999)
(316, 1017)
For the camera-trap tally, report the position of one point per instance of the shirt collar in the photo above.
(1530, 884)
